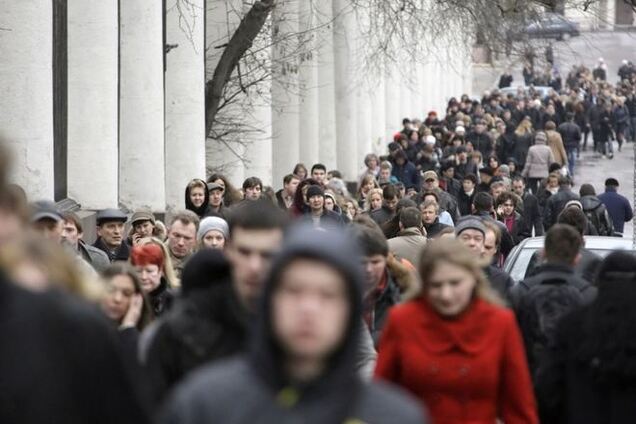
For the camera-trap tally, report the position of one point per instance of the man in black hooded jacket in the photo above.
(300, 365)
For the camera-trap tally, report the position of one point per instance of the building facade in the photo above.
(103, 100)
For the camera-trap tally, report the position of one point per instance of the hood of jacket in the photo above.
(338, 250)
(205, 269)
(590, 202)
(203, 209)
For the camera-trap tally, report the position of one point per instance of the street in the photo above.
(613, 47)
(593, 169)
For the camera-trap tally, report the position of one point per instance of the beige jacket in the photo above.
(555, 142)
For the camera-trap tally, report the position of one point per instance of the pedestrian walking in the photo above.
(467, 331)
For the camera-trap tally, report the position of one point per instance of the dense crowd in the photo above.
(382, 300)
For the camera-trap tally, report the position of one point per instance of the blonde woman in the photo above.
(455, 347)
(367, 183)
(523, 139)
(40, 265)
(373, 200)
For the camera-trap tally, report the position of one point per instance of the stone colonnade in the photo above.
(134, 109)
(325, 106)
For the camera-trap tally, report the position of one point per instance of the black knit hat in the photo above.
(315, 190)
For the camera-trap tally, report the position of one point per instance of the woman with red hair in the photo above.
(149, 261)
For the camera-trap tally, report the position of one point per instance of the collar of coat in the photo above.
(468, 332)
(411, 231)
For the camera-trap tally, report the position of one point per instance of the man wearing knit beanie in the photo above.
(471, 231)
(318, 214)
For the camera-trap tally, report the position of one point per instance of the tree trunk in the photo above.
(240, 42)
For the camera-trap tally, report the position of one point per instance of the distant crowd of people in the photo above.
(382, 300)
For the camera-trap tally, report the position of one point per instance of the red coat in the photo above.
(469, 370)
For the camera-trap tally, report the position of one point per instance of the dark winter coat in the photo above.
(506, 145)
(448, 203)
(451, 186)
(568, 388)
(618, 207)
(408, 175)
(620, 118)
(522, 145)
(382, 215)
(549, 277)
(328, 219)
(532, 213)
(98, 259)
(500, 280)
(520, 228)
(597, 215)
(551, 274)
(122, 253)
(161, 298)
(555, 204)
(434, 229)
(599, 74)
(463, 169)
(207, 323)
(63, 363)
(465, 203)
(379, 311)
(256, 388)
(505, 80)
(481, 142)
(571, 135)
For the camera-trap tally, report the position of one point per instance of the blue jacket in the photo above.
(618, 208)
(408, 175)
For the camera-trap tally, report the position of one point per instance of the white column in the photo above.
(308, 86)
(416, 91)
(141, 111)
(363, 123)
(226, 155)
(427, 76)
(26, 120)
(392, 100)
(258, 149)
(326, 85)
(379, 138)
(285, 99)
(437, 91)
(185, 99)
(405, 92)
(93, 162)
(344, 48)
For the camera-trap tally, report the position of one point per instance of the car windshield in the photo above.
(528, 260)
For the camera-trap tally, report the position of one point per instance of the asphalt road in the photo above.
(613, 47)
(591, 168)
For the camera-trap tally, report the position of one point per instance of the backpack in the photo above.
(539, 311)
(593, 216)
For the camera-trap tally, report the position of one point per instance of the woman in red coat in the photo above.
(455, 347)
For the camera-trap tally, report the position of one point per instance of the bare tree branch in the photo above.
(239, 43)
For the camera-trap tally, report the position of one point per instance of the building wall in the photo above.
(26, 107)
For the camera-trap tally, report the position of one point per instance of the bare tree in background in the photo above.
(396, 30)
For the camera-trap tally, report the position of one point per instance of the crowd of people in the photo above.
(380, 300)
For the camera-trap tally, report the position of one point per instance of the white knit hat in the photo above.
(213, 223)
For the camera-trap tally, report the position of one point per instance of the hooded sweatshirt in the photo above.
(205, 209)
(256, 389)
